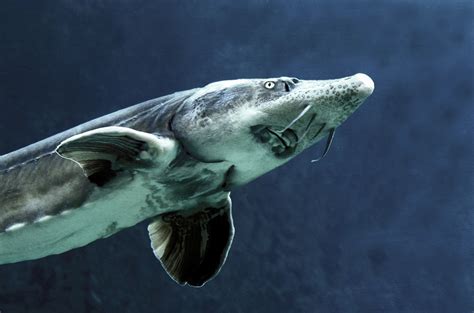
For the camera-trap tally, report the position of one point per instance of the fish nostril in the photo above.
(287, 87)
(295, 80)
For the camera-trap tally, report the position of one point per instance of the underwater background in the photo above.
(385, 223)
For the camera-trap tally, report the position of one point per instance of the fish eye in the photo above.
(269, 85)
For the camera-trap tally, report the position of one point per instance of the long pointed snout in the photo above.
(334, 100)
(366, 86)
(324, 102)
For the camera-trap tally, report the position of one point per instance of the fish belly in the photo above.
(78, 227)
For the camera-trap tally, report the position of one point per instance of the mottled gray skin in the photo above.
(220, 121)
(37, 171)
(227, 132)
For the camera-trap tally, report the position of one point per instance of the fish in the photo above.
(173, 161)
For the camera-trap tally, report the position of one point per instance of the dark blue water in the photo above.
(385, 223)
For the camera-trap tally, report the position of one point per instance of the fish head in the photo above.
(259, 124)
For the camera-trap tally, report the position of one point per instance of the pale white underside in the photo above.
(76, 228)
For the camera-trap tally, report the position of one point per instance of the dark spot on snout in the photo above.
(205, 121)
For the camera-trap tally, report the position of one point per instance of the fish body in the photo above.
(173, 160)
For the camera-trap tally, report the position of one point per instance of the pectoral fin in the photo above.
(192, 246)
(104, 151)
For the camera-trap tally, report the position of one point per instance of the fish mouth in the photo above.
(282, 144)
